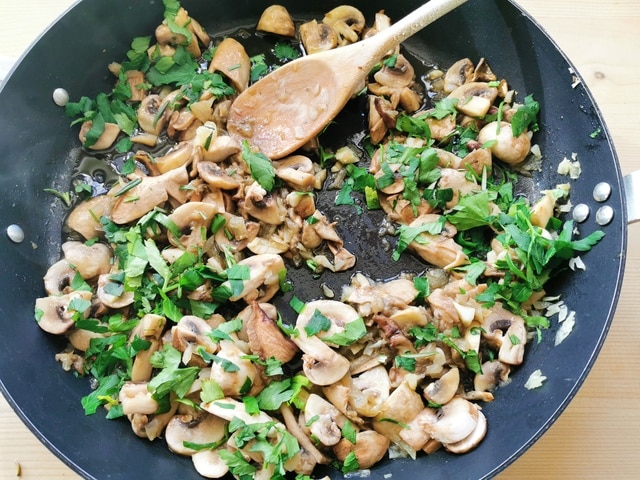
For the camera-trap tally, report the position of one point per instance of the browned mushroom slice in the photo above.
(317, 37)
(400, 75)
(369, 448)
(297, 171)
(146, 194)
(85, 217)
(136, 82)
(276, 19)
(264, 206)
(191, 218)
(216, 177)
(106, 138)
(439, 250)
(474, 98)
(483, 72)
(265, 337)
(232, 60)
(347, 21)
(458, 74)
(151, 118)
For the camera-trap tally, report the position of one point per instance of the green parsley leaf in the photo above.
(353, 331)
(260, 167)
(317, 323)
(285, 51)
(526, 116)
(471, 211)
(408, 234)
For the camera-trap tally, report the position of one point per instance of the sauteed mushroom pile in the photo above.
(164, 287)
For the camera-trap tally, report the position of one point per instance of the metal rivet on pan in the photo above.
(580, 212)
(60, 97)
(602, 192)
(15, 233)
(604, 215)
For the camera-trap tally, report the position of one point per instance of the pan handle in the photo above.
(632, 195)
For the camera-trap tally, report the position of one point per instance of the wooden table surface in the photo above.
(597, 436)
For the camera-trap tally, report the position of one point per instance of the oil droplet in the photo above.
(15, 233)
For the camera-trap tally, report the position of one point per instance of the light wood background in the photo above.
(598, 435)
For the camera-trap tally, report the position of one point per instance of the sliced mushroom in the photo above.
(265, 337)
(437, 250)
(209, 464)
(442, 390)
(241, 378)
(135, 398)
(231, 59)
(296, 430)
(136, 81)
(216, 177)
(317, 37)
(152, 116)
(400, 75)
(325, 420)
(263, 205)
(297, 171)
(202, 429)
(149, 193)
(493, 374)
(543, 210)
(57, 280)
(369, 391)
(89, 260)
(111, 292)
(263, 281)
(55, 314)
(106, 138)
(321, 364)
(369, 448)
(229, 409)
(189, 333)
(473, 439)
(347, 21)
(177, 156)
(450, 423)
(85, 217)
(403, 405)
(458, 74)
(276, 19)
(474, 98)
(479, 160)
(503, 145)
(191, 218)
(149, 328)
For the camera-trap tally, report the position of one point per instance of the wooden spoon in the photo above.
(290, 106)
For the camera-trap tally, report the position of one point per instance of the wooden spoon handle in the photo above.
(412, 23)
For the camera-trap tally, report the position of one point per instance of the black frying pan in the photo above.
(39, 151)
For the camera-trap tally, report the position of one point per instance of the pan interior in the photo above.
(40, 151)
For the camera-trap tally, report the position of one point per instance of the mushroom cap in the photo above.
(317, 37)
(201, 429)
(209, 464)
(369, 448)
(89, 260)
(56, 316)
(58, 278)
(443, 389)
(276, 19)
(505, 146)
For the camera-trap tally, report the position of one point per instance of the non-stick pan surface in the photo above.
(39, 151)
